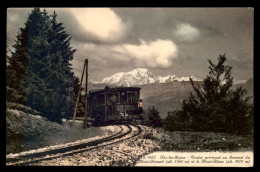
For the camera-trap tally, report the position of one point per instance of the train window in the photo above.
(108, 96)
(129, 97)
(136, 97)
(123, 97)
(132, 97)
(114, 98)
(117, 97)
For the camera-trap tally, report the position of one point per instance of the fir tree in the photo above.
(61, 78)
(152, 118)
(215, 106)
(37, 61)
(39, 70)
(16, 69)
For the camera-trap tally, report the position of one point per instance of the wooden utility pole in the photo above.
(77, 102)
(86, 103)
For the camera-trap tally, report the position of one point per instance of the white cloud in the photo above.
(155, 54)
(186, 32)
(103, 23)
(158, 53)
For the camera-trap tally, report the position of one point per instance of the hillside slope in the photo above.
(169, 96)
(166, 96)
(25, 131)
(249, 86)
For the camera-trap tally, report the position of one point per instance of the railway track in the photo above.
(126, 132)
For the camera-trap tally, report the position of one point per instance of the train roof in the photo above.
(107, 89)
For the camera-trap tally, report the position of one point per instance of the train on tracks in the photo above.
(117, 104)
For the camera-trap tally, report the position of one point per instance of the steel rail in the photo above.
(63, 149)
(95, 144)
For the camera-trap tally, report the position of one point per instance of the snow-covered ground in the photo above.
(27, 132)
(123, 153)
(114, 130)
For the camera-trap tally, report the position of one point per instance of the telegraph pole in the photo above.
(86, 103)
(77, 102)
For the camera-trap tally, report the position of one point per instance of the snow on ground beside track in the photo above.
(37, 132)
(124, 153)
(112, 129)
(76, 132)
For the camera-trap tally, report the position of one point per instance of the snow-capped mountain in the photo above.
(141, 76)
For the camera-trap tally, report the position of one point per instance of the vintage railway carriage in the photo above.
(114, 104)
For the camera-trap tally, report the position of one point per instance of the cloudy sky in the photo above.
(164, 40)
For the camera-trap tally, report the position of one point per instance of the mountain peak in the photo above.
(140, 76)
(142, 71)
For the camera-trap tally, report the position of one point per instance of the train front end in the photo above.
(115, 104)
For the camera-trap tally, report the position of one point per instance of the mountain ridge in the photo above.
(141, 76)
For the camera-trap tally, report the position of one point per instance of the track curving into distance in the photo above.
(29, 159)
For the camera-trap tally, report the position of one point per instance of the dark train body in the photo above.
(114, 104)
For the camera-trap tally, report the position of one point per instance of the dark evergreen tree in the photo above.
(152, 118)
(39, 72)
(175, 122)
(37, 61)
(215, 106)
(16, 69)
(60, 78)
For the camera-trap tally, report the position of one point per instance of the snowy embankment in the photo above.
(58, 146)
(29, 133)
(123, 152)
